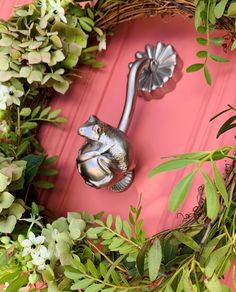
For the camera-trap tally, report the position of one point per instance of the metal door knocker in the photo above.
(106, 159)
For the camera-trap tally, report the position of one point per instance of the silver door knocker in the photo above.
(106, 159)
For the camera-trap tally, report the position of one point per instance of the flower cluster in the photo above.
(54, 8)
(34, 246)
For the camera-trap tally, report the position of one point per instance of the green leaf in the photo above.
(216, 259)
(213, 285)
(220, 8)
(209, 248)
(201, 6)
(25, 112)
(217, 41)
(61, 87)
(220, 183)
(201, 41)
(109, 221)
(29, 125)
(22, 148)
(4, 182)
(18, 283)
(180, 191)
(171, 165)
(54, 114)
(141, 258)
(103, 269)
(118, 224)
(212, 199)
(33, 163)
(92, 269)
(95, 288)
(9, 277)
(127, 229)
(48, 171)
(7, 225)
(76, 227)
(82, 284)
(192, 155)
(233, 46)
(51, 160)
(6, 200)
(194, 67)
(116, 243)
(187, 240)
(207, 75)
(43, 184)
(232, 9)
(44, 112)
(154, 260)
(34, 57)
(202, 54)
(227, 126)
(218, 59)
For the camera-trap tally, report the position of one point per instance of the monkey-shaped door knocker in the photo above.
(107, 159)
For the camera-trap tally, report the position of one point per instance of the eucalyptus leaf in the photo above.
(154, 260)
(187, 240)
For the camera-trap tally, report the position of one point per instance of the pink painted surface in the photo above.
(176, 124)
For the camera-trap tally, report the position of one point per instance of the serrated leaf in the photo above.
(187, 240)
(180, 191)
(194, 67)
(118, 224)
(212, 199)
(171, 165)
(109, 221)
(154, 260)
(218, 59)
(220, 183)
(220, 8)
(207, 75)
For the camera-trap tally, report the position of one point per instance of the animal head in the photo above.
(92, 129)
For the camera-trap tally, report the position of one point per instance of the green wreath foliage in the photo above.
(40, 48)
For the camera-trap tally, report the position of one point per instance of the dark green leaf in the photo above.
(33, 163)
(201, 41)
(154, 260)
(35, 111)
(48, 171)
(180, 191)
(220, 113)
(201, 29)
(141, 258)
(207, 75)
(202, 54)
(218, 59)
(194, 67)
(227, 126)
(212, 199)
(209, 248)
(43, 184)
(171, 165)
(22, 148)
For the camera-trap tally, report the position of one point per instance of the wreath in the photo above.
(41, 46)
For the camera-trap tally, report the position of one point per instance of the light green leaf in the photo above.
(220, 8)
(29, 125)
(209, 248)
(232, 9)
(103, 269)
(171, 165)
(118, 224)
(61, 87)
(220, 183)
(6, 199)
(18, 283)
(154, 260)
(233, 46)
(25, 71)
(127, 229)
(180, 191)
(34, 57)
(194, 67)
(4, 182)
(76, 227)
(7, 225)
(116, 243)
(217, 40)
(187, 240)
(141, 258)
(25, 112)
(45, 112)
(92, 269)
(95, 288)
(212, 199)
(54, 114)
(4, 63)
(82, 284)
(109, 221)
(213, 285)
(197, 18)
(35, 76)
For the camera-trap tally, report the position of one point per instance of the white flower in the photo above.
(40, 257)
(4, 91)
(32, 243)
(102, 42)
(13, 96)
(56, 10)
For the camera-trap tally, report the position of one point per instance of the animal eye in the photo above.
(99, 130)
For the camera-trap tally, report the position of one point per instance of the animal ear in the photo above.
(93, 119)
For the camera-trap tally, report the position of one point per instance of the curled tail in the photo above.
(124, 183)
